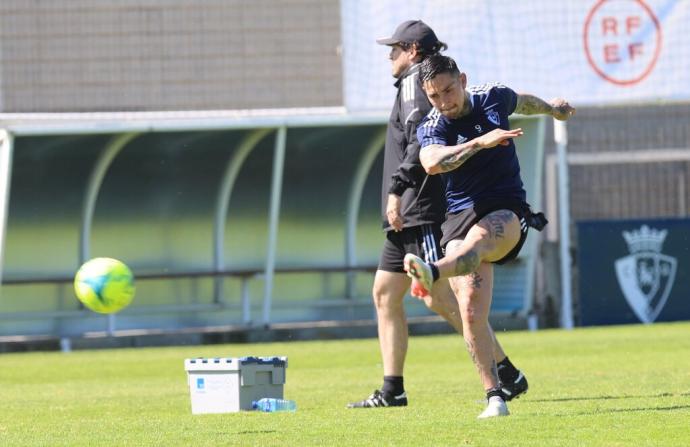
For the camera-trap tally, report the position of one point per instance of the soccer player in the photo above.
(467, 138)
(413, 208)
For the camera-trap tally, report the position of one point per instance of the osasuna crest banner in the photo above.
(633, 271)
(592, 52)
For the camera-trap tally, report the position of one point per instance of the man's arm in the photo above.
(409, 173)
(437, 159)
(531, 105)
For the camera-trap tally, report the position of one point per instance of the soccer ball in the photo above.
(104, 285)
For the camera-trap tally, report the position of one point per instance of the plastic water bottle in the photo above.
(271, 405)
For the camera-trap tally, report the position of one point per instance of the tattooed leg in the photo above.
(496, 223)
(467, 263)
(476, 280)
(489, 240)
(474, 299)
(481, 368)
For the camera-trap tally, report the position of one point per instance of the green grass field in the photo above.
(615, 386)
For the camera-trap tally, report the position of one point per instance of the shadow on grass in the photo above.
(604, 397)
(628, 410)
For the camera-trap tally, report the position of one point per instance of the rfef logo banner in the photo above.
(633, 271)
(592, 52)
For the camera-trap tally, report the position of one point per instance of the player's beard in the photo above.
(459, 112)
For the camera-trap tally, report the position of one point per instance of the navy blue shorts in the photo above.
(457, 225)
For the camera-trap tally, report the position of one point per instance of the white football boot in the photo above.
(496, 407)
(420, 272)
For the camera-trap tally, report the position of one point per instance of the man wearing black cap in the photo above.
(413, 208)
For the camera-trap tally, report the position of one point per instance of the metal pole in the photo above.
(551, 192)
(560, 133)
(92, 189)
(356, 189)
(6, 149)
(222, 202)
(532, 251)
(246, 303)
(682, 201)
(273, 218)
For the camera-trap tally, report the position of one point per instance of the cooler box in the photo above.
(226, 385)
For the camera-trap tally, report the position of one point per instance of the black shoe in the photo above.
(516, 388)
(381, 399)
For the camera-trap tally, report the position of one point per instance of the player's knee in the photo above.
(379, 295)
(470, 315)
(467, 263)
(384, 298)
(470, 318)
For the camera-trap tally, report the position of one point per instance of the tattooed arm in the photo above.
(531, 105)
(437, 159)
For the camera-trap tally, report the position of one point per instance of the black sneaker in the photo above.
(515, 389)
(381, 399)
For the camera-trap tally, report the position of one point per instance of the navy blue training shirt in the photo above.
(490, 173)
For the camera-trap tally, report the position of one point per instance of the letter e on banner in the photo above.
(622, 40)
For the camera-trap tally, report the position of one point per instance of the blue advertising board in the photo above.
(633, 271)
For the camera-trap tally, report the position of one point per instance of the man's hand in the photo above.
(560, 109)
(393, 212)
(531, 105)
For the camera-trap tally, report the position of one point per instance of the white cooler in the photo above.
(226, 385)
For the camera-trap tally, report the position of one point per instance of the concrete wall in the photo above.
(81, 55)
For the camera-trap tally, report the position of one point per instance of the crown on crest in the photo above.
(645, 239)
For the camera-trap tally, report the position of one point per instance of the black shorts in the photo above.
(458, 224)
(423, 241)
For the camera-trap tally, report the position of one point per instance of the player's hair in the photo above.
(425, 52)
(437, 64)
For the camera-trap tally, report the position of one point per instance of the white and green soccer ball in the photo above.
(104, 285)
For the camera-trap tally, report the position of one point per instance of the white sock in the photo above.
(496, 399)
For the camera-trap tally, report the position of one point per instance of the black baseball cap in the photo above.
(412, 31)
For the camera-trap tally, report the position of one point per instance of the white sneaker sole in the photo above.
(419, 271)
